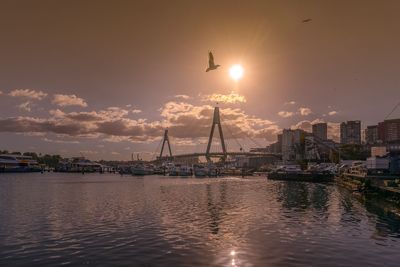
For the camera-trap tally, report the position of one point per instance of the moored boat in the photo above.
(138, 169)
(294, 173)
(200, 170)
(18, 163)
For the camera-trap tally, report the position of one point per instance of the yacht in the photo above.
(295, 173)
(180, 170)
(185, 171)
(139, 169)
(18, 163)
(200, 170)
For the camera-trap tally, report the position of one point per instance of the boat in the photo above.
(174, 171)
(78, 164)
(18, 163)
(212, 170)
(295, 173)
(180, 170)
(185, 171)
(200, 170)
(139, 169)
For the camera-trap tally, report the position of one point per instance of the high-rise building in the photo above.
(350, 132)
(389, 131)
(320, 130)
(392, 130)
(371, 134)
(291, 144)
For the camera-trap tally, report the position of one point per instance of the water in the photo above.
(106, 220)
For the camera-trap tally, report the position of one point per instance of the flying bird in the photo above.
(211, 64)
(306, 20)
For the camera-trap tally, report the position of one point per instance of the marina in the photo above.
(199, 133)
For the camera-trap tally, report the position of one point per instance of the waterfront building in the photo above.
(18, 163)
(320, 130)
(378, 151)
(291, 144)
(392, 130)
(277, 146)
(371, 135)
(350, 132)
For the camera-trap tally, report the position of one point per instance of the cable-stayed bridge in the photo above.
(223, 154)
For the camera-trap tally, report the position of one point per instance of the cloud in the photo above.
(231, 98)
(28, 93)
(88, 152)
(26, 106)
(332, 113)
(185, 121)
(68, 100)
(285, 114)
(136, 111)
(305, 111)
(60, 141)
(182, 96)
(290, 103)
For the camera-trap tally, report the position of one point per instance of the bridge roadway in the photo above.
(221, 154)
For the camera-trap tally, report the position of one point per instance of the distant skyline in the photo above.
(104, 79)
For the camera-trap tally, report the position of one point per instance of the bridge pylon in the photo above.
(216, 121)
(166, 140)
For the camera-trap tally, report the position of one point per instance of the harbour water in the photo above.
(55, 219)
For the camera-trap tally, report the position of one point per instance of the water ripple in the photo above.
(101, 220)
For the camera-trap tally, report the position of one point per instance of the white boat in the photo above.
(180, 170)
(200, 170)
(78, 164)
(212, 170)
(174, 170)
(18, 163)
(289, 168)
(138, 169)
(185, 171)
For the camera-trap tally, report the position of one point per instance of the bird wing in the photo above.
(210, 59)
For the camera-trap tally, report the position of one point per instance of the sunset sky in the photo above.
(105, 78)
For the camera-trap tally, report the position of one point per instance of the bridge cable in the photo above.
(155, 153)
(391, 112)
(234, 138)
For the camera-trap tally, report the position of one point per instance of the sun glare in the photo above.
(236, 72)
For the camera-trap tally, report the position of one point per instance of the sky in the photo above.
(104, 79)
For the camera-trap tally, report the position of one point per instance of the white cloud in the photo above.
(182, 96)
(28, 93)
(305, 111)
(285, 114)
(136, 111)
(231, 98)
(26, 106)
(60, 141)
(88, 152)
(333, 112)
(68, 100)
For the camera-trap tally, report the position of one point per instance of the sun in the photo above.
(236, 72)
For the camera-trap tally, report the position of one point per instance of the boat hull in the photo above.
(302, 176)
